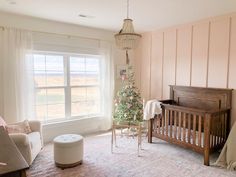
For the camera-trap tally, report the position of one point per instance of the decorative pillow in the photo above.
(21, 127)
(2, 122)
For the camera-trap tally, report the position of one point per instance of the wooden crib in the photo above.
(194, 117)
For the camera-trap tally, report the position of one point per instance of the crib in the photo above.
(194, 117)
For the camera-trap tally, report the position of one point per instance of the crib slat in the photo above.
(175, 125)
(163, 121)
(167, 122)
(200, 131)
(179, 126)
(194, 129)
(159, 125)
(184, 128)
(221, 127)
(156, 124)
(218, 131)
(214, 133)
(216, 127)
(211, 140)
(171, 118)
(189, 128)
(225, 130)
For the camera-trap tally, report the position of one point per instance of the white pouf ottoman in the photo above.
(68, 150)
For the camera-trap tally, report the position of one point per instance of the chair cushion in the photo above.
(20, 127)
(20, 139)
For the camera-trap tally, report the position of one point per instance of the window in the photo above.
(66, 86)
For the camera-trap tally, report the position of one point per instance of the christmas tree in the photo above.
(128, 103)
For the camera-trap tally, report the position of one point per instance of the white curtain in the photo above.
(17, 75)
(107, 80)
(62, 43)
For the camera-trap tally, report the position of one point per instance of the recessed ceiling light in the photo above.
(85, 16)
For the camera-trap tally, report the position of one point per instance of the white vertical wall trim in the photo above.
(141, 68)
(162, 70)
(140, 73)
(162, 67)
(176, 50)
(230, 25)
(208, 51)
(163, 60)
(150, 64)
(191, 56)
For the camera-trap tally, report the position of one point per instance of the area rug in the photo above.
(159, 159)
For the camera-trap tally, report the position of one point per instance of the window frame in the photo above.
(67, 86)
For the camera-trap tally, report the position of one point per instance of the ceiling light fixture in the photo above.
(127, 39)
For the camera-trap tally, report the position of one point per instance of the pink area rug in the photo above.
(159, 159)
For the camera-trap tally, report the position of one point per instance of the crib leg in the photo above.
(206, 158)
(207, 128)
(150, 127)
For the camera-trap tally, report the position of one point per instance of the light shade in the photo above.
(127, 39)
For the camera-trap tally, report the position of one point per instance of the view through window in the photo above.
(66, 86)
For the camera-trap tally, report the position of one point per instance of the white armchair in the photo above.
(29, 144)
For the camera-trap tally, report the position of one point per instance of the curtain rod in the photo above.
(34, 31)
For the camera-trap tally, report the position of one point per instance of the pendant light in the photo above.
(127, 39)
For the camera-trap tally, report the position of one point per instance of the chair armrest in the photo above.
(20, 139)
(36, 126)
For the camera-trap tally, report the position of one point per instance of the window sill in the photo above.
(70, 120)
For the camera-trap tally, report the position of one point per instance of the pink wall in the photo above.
(201, 53)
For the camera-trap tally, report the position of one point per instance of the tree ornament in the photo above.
(129, 106)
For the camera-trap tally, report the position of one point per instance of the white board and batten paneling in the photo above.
(156, 65)
(232, 66)
(200, 54)
(169, 61)
(145, 66)
(218, 52)
(183, 62)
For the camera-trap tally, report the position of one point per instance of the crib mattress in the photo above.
(181, 138)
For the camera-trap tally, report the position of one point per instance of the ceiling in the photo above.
(147, 15)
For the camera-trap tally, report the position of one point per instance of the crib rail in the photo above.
(219, 128)
(182, 126)
(193, 128)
